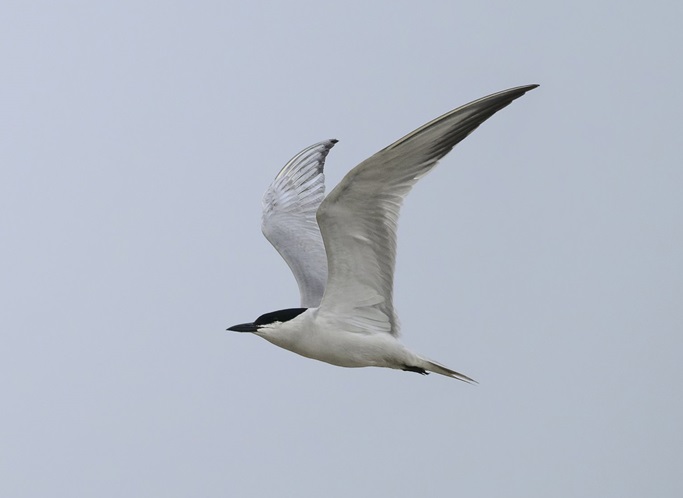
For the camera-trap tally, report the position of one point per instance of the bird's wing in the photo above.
(358, 219)
(288, 222)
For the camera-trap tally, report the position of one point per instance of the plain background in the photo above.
(543, 257)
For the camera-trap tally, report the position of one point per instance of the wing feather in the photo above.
(358, 219)
(289, 223)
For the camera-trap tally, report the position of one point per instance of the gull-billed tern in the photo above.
(342, 248)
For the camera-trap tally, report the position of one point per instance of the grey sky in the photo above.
(542, 257)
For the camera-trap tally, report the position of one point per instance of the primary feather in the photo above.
(289, 224)
(358, 219)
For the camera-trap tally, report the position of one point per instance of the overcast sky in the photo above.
(543, 256)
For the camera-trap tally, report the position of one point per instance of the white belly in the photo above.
(304, 336)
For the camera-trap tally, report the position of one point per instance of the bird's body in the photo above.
(326, 341)
(342, 249)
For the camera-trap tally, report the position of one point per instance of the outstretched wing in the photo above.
(358, 219)
(288, 222)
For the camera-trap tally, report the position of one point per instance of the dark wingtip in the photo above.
(521, 90)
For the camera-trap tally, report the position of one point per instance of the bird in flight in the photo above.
(342, 248)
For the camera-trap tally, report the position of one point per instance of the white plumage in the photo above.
(342, 248)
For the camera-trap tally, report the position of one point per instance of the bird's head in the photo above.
(268, 321)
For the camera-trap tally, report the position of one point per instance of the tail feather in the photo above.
(435, 367)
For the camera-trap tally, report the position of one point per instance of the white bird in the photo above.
(342, 248)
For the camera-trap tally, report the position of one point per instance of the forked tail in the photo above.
(435, 367)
